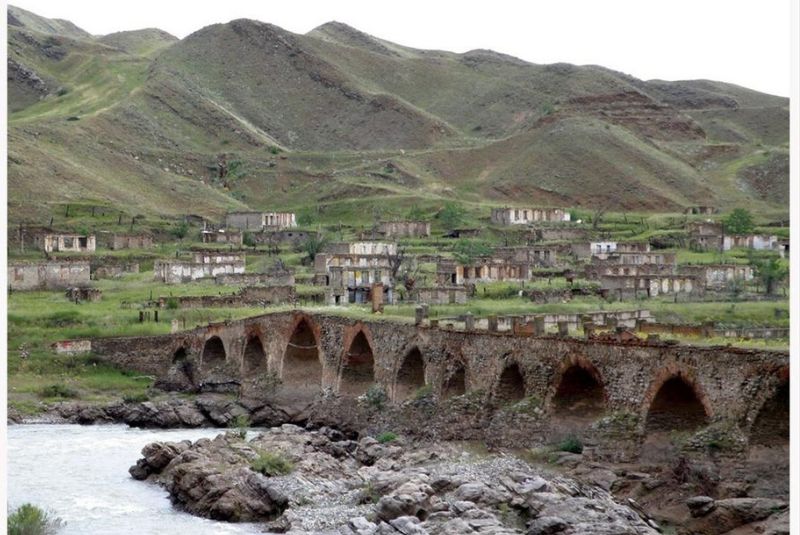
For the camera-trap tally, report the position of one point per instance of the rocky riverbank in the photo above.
(343, 486)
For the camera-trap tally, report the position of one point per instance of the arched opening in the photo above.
(676, 407)
(579, 394)
(254, 358)
(357, 367)
(214, 352)
(511, 387)
(456, 383)
(771, 427)
(302, 370)
(179, 355)
(411, 375)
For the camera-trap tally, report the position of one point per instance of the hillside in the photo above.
(140, 121)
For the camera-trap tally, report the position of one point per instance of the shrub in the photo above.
(572, 444)
(386, 437)
(139, 397)
(181, 230)
(240, 423)
(376, 397)
(248, 240)
(172, 303)
(271, 464)
(28, 519)
(423, 392)
(58, 391)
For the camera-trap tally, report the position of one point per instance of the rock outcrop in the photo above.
(337, 485)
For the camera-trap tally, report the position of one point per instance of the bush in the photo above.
(571, 444)
(240, 423)
(423, 392)
(248, 240)
(271, 464)
(139, 397)
(58, 391)
(172, 303)
(376, 397)
(386, 437)
(28, 519)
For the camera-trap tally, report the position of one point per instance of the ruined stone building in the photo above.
(130, 241)
(349, 271)
(439, 295)
(719, 276)
(524, 216)
(602, 249)
(227, 236)
(701, 210)
(758, 242)
(256, 221)
(482, 269)
(53, 275)
(69, 243)
(217, 257)
(710, 236)
(403, 229)
(650, 285)
(536, 255)
(633, 258)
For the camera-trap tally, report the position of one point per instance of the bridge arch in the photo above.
(214, 352)
(675, 401)
(579, 389)
(254, 358)
(455, 380)
(301, 367)
(510, 386)
(410, 376)
(358, 365)
(771, 424)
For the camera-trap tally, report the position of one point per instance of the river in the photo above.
(80, 473)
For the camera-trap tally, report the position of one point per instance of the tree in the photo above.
(314, 245)
(451, 216)
(466, 251)
(402, 268)
(181, 230)
(770, 272)
(739, 222)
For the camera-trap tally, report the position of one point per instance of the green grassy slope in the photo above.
(138, 121)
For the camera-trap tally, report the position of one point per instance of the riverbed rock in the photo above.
(337, 485)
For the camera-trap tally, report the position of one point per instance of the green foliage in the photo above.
(271, 464)
(386, 437)
(314, 245)
(452, 216)
(181, 230)
(465, 251)
(547, 108)
(415, 213)
(571, 444)
(423, 392)
(236, 169)
(59, 390)
(770, 272)
(305, 218)
(248, 239)
(739, 221)
(138, 397)
(376, 397)
(27, 519)
(274, 150)
(241, 423)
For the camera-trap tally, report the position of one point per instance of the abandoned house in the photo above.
(279, 237)
(350, 270)
(651, 285)
(705, 235)
(362, 248)
(627, 259)
(482, 269)
(403, 229)
(524, 216)
(48, 275)
(217, 257)
(68, 243)
(130, 241)
(700, 210)
(535, 255)
(227, 236)
(439, 295)
(176, 271)
(719, 276)
(260, 220)
(753, 241)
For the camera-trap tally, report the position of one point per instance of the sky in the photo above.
(745, 42)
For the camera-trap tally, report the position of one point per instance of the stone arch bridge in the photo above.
(665, 386)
